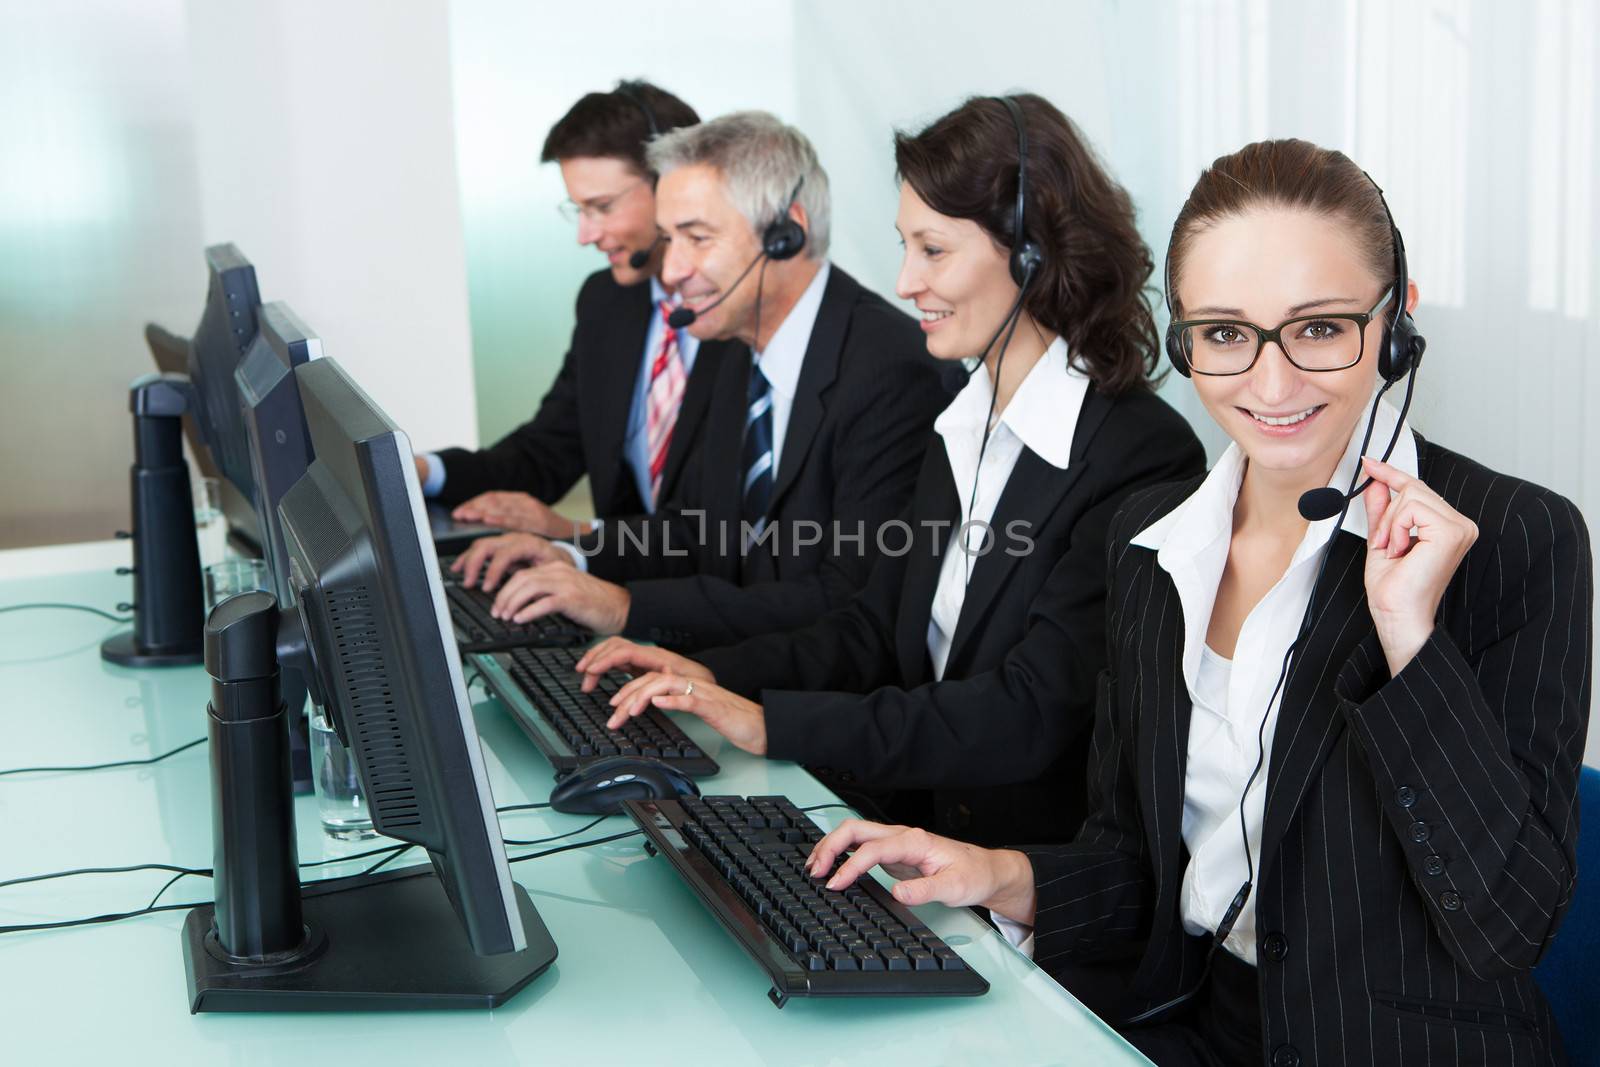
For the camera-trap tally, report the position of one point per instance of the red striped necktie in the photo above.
(662, 402)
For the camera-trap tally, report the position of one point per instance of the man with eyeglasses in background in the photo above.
(627, 405)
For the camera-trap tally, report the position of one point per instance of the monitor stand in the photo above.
(377, 942)
(168, 609)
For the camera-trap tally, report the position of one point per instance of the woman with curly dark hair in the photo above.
(956, 691)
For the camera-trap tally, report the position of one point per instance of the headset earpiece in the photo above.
(1175, 348)
(1027, 258)
(1173, 345)
(784, 237)
(1403, 345)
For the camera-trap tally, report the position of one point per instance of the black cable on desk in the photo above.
(66, 607)
(106, 766)
(394, 851)
(522, 807)
(574, 845)
(820, 807)
(106, 870)
(557, 837)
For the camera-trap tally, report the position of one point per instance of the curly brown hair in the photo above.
(1091, 288)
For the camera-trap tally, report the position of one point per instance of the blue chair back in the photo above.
(1569, 974)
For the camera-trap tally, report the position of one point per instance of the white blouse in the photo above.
(1042, 416)
(1191, 544)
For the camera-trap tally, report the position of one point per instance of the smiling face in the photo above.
(1265, 266)
(955, 274)
(709, 245)
(617, 213)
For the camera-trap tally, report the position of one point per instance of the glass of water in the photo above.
(232, 576)
(333, 770)
(210, 527)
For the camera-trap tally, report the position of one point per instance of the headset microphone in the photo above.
(640, 259)
(685, 316)
(1318, 504)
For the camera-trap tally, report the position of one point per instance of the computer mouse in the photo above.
(600, 787)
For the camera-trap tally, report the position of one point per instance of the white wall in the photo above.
(99, 233)
(329, 159)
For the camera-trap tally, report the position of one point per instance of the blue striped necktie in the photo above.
(757, 465)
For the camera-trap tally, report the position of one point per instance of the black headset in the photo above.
(784, 237)
(634, 92)
(1026, 260)
(1401, 349)
(1026, 257)
(1403, 345)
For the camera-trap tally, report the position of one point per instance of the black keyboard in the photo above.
(745, 858)
(569, 725)
(478, 631)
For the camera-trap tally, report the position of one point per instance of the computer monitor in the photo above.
(279, 446)
(171, 355)
(372, 630)
(228, 325)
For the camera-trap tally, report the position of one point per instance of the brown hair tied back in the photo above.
(1287, 173)
(1091, 287)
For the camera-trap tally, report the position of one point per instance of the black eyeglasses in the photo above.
(1325, 342)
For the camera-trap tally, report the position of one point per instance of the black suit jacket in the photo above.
(582, 423)
(1417, 846)
(865, 402)
(1002, 740)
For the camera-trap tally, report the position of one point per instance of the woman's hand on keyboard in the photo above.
(931, 868)
(620, 654)
(739, 720)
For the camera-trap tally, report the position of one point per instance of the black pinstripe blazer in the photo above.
(1417, 844)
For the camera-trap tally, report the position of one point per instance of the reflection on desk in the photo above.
(633, 938)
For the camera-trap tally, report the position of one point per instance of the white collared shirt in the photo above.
(785, 354)
(1191, 544)
(1042, 416)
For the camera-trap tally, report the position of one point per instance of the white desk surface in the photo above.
(644, 975)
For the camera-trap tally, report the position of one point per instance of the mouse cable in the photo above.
(507, 841)
(557, 837)
(66, 607)
(574, 845)
(821, 807)
(107, 766)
